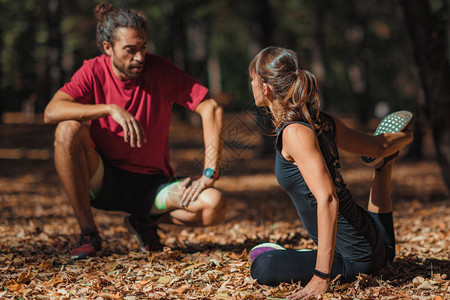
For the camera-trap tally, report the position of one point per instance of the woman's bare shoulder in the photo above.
(296, 133)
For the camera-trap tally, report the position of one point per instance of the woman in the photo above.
(350, 239)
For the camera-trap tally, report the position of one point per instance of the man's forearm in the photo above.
(212, 128)
(60, 109)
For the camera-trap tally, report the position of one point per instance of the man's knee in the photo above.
(214, 204)
(68, 133)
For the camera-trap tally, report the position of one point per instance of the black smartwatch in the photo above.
(321, 274)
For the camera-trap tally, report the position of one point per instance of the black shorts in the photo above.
(129, 192)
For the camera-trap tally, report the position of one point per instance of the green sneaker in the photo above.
(392, 123)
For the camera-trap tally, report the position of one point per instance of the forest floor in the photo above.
(38, 228)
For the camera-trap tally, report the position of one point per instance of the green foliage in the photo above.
(191, 32)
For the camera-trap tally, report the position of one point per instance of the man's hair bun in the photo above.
(102, 10)
(110, 18)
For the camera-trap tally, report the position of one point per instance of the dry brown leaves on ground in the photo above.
(38, 229)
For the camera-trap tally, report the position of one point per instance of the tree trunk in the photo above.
(317, 57)
(178, 41)
(428, 34)
(214, 75)
(262, 33)
(357, 68)
(2, 96)
(51, 75)
(55, 45)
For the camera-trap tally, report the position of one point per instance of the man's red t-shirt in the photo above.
(149, 98)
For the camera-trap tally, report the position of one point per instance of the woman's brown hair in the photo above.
(295, 90)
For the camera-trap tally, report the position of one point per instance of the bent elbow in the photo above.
(218, 109)
(335, 203)
(49, 117)
(213, 104)
(332, 200)
(211, 108)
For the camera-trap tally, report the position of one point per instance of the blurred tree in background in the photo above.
(358, 50)
(366, 54)
(429, 31)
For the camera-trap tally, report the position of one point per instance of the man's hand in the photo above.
(132, 130)
(317, 286)
(192, 187)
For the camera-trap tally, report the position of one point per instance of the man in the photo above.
(122, 162)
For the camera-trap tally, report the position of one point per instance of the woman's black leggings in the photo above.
(276, 266)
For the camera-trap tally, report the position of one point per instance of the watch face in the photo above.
(208, 172)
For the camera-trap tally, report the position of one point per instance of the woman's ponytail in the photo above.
(295, 90)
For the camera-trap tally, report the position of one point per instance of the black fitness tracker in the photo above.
(321, 274)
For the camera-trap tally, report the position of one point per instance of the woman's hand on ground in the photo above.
(317, 286)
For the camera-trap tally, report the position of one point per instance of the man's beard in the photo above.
(127, 73)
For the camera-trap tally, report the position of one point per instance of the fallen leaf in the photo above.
(53, 282)
(425, 286)
(14, 286)
(418, 279)
(164, 279)
(183, 289)
(46, 264)
(25, 277)
(39, 229)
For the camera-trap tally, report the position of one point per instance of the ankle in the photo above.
(89, 230)
(385, 167)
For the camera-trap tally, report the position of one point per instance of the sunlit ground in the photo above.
(38, 228)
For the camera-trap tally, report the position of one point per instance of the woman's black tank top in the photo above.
(288, 174)
(357, 238)
(291, 180)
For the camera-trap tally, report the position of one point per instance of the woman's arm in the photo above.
(300, 145)
(369, 145)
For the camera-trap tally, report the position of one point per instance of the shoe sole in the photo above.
(134, 233)
(85, 256)
(78, 257)
(392, 123)
(264, 247)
